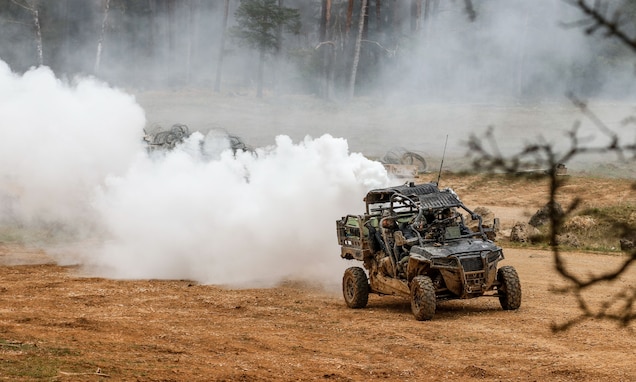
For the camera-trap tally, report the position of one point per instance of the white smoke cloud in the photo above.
(239, 220)
(71, 155)
(59, 142)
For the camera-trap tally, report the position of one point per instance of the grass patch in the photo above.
(11, 235)
(610, 224)
(39, 233)
(23, 360)
(27, 360)
(612, 214)
(595, 229)
(30, 366)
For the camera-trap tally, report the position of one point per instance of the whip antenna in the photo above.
(442, 163)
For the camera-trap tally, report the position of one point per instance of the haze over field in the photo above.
(511, 51)
(511, 68)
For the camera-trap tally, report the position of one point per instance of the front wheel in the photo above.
(355, 288)
(509, 289)
(422, 298)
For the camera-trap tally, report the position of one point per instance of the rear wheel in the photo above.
(509, 289)
(355, 288)
(422, 298)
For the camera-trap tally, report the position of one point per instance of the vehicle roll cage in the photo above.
(428, 201)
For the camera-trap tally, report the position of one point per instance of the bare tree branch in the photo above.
(24, 5)
(486, 156)
(332, 43)
(598, 19)
(9, 21)
(389, 52)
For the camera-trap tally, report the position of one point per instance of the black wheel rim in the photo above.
(349, 288)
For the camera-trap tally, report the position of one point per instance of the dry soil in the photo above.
(56, 324)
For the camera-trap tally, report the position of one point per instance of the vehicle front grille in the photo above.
(471, 264)
(475, 282)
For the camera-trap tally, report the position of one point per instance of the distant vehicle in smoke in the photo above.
(403, 163)
(166, 139)
(413, 243)
(215, 140)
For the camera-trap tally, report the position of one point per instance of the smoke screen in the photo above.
(73, 163)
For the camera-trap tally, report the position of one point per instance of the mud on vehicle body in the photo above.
(413, 242)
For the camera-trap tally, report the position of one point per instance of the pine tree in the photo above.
(258, 24)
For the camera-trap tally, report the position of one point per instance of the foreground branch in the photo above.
(486, 156)
(598, 19)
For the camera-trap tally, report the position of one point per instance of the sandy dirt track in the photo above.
(175, 331)
(56, 324)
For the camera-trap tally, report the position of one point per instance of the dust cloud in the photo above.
(73, 162)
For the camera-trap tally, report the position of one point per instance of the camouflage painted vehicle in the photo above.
(413, 243)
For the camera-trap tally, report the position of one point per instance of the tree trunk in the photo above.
(346, 41)
(35, 14)
(427, 22)
(365, 29)
(259, 79)
(172, 55)
(68, 36)
(100, 41)
(396, 20)
(416, 15)
(323, 19)
(349, 19)
(38, 34)
(331, 58)
(356, 57)
(189, 18)
(378, 16)
(219, 66)
(277, 54)
(427, 18)
(154, 41)
(327, 50)
(331, 71)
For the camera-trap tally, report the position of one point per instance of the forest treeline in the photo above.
(329, 48)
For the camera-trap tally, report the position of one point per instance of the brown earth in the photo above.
(56, 324)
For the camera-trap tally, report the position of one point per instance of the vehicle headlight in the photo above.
(494, 256)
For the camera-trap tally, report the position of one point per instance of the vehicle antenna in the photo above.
(442, 163)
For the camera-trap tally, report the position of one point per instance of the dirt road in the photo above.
(57, 325)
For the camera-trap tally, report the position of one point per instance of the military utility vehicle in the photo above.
(413, 242)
